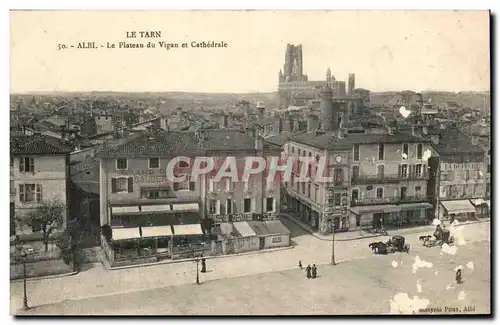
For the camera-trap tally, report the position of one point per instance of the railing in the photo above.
(387, 178)
(389, 200)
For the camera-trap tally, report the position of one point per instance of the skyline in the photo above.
(450, 54)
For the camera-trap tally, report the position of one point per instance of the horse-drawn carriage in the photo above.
(395, 244)
(441, 236)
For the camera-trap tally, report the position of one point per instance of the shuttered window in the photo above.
(122, 185)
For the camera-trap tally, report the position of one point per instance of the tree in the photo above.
(48, 217)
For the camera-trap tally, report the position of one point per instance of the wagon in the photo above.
(441, 236)
(397, 244)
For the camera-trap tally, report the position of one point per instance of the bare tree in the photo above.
(48, 217)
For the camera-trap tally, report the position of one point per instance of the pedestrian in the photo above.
(203, 266)
(314, 270)
(300, 264)
(458, 276)
(308, 271)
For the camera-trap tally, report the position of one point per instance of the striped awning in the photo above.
(415, 206)
(477, 202)
(186, 230)
(374, 208)
(125, 233)
(118, 210)
(458, 206)
(193, 207)
(155, 208)
(157, 231)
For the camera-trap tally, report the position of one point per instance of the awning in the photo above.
(186, 207)
(155, 208)
(117, 210)
(186, 230)
(125, 233)
(488, 203)
(157, 231)
(477, 202)
(459, 206)
(415, 206)
(374, 208)
(244, 229)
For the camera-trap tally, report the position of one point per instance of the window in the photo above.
(229, 206)
(488, 170)
(308, 190)
(269, 204)
(418, 170)
(212, 206)
(405, 151)
(467, 175)
(122, 184)
(192, 184)
(11, 161)
(121, 163)
(380, 152)
(418, 191)
(298, 151)
(247, 205)
(337, 199)
(355, 172)
(154, 162)
(155, 194)
(450, 176)
(380, 171)
(293, 149)
(27, 165)
(404, 190)
(404, 171)
(380, 192)
(356, 152)
(229, 184)
(420, 148)
(355, 195)
(30, 193)
(338, 176)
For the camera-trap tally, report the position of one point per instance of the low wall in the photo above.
(275, 241)
(40, 268)
(240, 245)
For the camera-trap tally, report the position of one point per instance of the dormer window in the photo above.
(154, 162)
(121, 163)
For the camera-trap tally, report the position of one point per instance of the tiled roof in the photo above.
(279, 139)
(454, 142)
(37, 145)
(331, 141)
(167, 143)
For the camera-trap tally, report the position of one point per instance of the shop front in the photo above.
(482, 207)
(461, 210)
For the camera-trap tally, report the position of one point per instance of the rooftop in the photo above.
(171, 143)
(37, 145)
(454, 142)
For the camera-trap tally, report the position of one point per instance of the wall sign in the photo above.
(146, 176)
(276, 240)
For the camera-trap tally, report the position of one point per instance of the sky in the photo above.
(387, 50)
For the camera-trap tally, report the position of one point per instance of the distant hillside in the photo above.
(440, 98)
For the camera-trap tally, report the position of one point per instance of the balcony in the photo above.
(387, 178)
(389, 200)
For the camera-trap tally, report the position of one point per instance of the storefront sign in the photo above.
(276, 240)
(146, 176)
(464, 166)
(218, 218)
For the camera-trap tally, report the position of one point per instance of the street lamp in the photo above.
(197, 271)
(333, 242)
(25, 298)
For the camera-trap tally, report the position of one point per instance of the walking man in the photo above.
(308, 271)
(300, 264)
(458, 276)
(314, 270)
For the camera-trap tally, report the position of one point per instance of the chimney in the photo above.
(280, 125)
(425, 129)
(312, 123)
(259, 141)
(414, 131)
(475, 140)
(435, 138)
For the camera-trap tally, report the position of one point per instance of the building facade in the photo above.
(39, 172)
(135, 190)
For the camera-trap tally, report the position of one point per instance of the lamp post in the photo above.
(197, 271)
(25, 297)
(333, 242)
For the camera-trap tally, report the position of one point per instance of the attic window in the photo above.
(87, 172)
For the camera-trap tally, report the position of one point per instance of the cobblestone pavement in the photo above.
(364, 286)
(99, 281)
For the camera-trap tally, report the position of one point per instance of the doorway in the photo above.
(262, 242)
